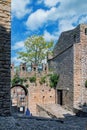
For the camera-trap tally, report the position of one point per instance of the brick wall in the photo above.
(80, 68)
(40, 95)
(84, 62)
(5, 41)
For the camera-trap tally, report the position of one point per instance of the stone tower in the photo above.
(70, 62)
(23, 69)
(5, 47)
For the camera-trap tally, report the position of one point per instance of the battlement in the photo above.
(24, 71)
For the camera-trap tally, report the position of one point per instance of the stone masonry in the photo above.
(38, 94)
(70, 62)
(27, 123)
(5, 40)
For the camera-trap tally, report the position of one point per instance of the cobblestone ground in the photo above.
(33, 123)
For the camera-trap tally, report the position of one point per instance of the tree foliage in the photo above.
(36, 49)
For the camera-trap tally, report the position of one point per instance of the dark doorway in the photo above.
(60, 97)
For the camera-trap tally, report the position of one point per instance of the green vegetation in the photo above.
(26, 85)
(18, 80)
(32, 79)
(53, 80)
(36, 50)
(42, 80)
(86, 83)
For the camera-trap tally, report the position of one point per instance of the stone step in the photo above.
(57, 110)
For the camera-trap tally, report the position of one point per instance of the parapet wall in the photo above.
(5, 40)
(40, 94)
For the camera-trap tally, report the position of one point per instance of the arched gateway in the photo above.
(19, 98)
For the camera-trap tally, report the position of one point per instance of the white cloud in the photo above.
(19, 8)
(65, 25)
(50, 3)
(18, 45)
(16, 61)
(49, 36)
(68, 12)
(39, 18)
(83, 19)
(74, 7)
(36, 19)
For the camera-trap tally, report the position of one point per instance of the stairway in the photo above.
(55, 110)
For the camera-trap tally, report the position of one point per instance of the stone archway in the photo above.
(19, 99)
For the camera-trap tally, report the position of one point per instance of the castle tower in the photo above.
(70, 63)
(23, 69)
(45, 68)
(5, 47)
(34, 67)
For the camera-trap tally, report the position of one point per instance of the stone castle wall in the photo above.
(37, 94)
(80, 68)
(40, 95)
(84, 61)
(70, 62)
(64, 68)
(5, 40)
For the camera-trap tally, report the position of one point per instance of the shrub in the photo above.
(32, 79)
(42, 80)
(18, 80)
(86, 83)
(54, 80)
(26, 85)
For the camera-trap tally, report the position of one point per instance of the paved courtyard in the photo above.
(35, 123)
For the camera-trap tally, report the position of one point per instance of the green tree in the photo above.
(36, 49)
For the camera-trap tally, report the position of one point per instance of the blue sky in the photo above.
(44, 17)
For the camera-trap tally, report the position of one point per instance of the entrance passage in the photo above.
(19, 98)
(60, 97)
